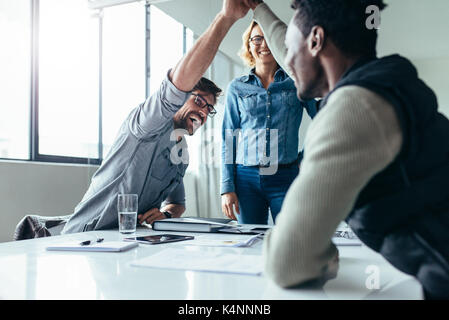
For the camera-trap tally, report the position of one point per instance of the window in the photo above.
(190, 39)
(73, 70)
(15, 75)
(123, 66)
(68, 79)
(167, 43)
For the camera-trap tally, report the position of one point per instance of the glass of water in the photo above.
(127, 213)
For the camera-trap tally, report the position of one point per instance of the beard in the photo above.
(181, 123)
(314, 84)
(186, 123)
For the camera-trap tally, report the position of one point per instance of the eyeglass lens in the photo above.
(203, 103)
(257, 40)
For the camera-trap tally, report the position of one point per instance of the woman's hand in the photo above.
(253, 3)
(235, 9)
(228, 201)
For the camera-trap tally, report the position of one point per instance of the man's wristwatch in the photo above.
(167, 214)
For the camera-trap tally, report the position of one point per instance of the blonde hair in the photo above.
(244, 52)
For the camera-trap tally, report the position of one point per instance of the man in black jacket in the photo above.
(376, 155)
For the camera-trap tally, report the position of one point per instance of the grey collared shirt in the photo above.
(139, 162)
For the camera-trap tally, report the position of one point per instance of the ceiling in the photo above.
(416, 29)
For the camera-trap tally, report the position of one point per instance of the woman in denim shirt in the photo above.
(260, 135)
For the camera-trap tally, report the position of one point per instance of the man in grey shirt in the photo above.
(149, 156)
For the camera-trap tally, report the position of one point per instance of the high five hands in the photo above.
(237, 9)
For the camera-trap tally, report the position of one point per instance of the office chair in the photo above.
(35, 226)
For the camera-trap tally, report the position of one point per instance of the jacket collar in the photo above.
(279, 75)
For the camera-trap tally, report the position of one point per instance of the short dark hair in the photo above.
(208, 86)
(344, 21)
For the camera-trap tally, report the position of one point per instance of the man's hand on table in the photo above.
(150, 216)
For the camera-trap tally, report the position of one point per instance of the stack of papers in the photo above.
(210, 261)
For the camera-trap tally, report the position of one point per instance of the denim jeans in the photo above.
(258, 193)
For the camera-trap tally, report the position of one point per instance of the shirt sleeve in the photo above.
(158, 110)
(177, 196)
(231, 122)
(353, 138)
(274, 30)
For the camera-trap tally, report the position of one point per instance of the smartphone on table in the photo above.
(160, 238)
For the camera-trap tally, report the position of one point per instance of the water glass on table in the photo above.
(127, 212)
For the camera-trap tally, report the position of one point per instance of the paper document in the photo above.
(208, 242)
(182, 259)
(108, 246)
(344, 236)
(340, 241)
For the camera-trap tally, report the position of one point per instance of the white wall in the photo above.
(39, 188)
(51, 189)
(435, 73)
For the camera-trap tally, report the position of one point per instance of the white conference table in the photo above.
(29, 271)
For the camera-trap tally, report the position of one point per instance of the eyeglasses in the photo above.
(202, 103)
(257, 40)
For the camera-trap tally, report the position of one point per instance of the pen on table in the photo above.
(87, 242)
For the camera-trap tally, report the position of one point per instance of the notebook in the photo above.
(205, 225)
(188, 225)
(109, 246)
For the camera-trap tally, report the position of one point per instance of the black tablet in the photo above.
(160, 238)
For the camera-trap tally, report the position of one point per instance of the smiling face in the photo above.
(260, 52)
(191, 116)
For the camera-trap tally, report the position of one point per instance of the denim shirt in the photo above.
(268, 121)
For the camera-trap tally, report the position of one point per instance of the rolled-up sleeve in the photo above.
(177, 196)
(152, 116)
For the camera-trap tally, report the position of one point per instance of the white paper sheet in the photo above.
(229, 242)
(199, 260)
(339, 241)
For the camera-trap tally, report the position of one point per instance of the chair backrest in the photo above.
(35, 226)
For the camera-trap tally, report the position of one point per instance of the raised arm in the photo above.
(193, 65)
(152, 116)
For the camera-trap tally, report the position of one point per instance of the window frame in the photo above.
(34, 154)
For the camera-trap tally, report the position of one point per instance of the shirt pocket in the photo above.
(289, 98)
(162, 166)
(249, 103)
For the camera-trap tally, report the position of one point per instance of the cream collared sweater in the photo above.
(353, 138)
